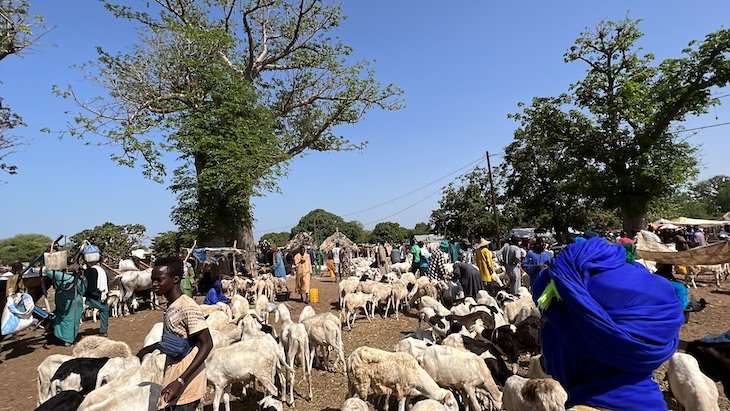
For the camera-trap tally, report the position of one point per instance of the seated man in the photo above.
(608, 325)
(215, 295)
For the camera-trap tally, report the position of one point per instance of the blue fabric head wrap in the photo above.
(609, 326)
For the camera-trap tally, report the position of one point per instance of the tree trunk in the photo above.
(634, 223)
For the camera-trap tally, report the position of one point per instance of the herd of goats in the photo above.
(466, 356)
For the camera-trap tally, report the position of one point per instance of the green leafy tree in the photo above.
(421, 229)
(18, 31)
(465, 208)
(322, 224)
(389, 232)
(714, 193)
(23, 247)
(114, 241)
(164, 94)
(611, 143)
(278, 239)
(168, 243)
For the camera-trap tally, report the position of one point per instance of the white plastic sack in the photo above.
(92, 257)
(17, 314)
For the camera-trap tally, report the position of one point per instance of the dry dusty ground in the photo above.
(21, 354)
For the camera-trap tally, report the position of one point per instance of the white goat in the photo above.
(412, 346)
(239, 307)
(354, 404)
(45, 371)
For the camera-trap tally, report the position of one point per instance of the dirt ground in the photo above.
(22, 353)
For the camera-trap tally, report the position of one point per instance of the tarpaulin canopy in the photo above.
(692, 221)
(648, 249)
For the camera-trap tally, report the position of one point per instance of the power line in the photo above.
(477, 161)
(414, 204)
(703, 127)
(472, 164)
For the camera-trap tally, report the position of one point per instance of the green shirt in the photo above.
(416, 251)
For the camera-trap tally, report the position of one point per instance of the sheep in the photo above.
(207, 309)
(512, 308)
(295, 340)
(269, 403)
(217, 319)
(485, 350)
(398, 294)
(355, 404)
(136, 389)
(527, 311)
(539, 395)
(45, 371)
(352, 302)
(324, 332)
(89, 373)
(380, 295)
(428, 405)
(112, 301)
(536, 369)
(465, 371)
(347, 286)
(307, 312)
(412, 346)
(435, 305)
(154, 335)
(387, 373)
(239, 307)
(366, 286)
(63, 401)
(262, 308)
(401, 268)
(692, 389)
(94, 346)
(255, 358)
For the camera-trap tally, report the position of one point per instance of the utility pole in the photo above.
(494, 203)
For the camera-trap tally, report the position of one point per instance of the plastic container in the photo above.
(314, 295)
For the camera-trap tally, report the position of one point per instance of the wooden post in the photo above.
(494, 204)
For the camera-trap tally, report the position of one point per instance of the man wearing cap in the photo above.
(484, 261)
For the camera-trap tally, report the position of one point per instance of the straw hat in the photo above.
(483, 243)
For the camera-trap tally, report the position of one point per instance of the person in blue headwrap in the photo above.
(609, 325)
(215, 295)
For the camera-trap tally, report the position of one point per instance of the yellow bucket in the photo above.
(313, 295)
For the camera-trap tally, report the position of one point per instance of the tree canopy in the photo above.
(18, 31)
(465, 208)
(278, 239)
(611, 142)
(389, 232)
(192, 60)
(114, 241)
(322, 224)
(23, 247)
(168, 243)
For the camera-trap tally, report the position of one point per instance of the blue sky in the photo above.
(463, 66)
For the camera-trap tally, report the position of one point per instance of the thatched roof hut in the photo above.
(338, 237)
(300, 239)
